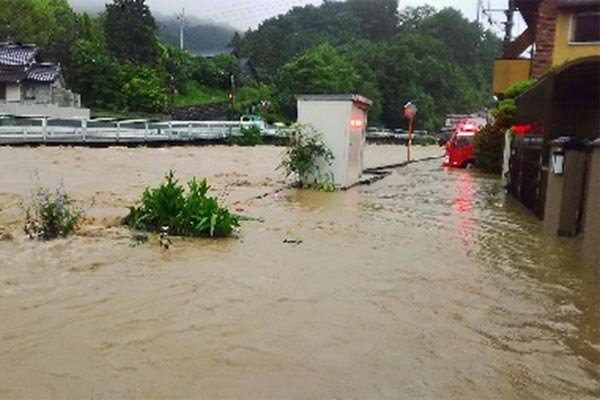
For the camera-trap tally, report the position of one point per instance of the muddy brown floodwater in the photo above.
(429, 284)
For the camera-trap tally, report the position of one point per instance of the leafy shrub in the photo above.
(489, 142)
(304, 153)
(251, 136)
(195, 214)
(50, 214)
(518, 88)
(489, 145)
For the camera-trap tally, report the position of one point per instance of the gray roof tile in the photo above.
(17, 55)
(43, 72)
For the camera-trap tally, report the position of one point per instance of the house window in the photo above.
(29, 93)
(585, 28)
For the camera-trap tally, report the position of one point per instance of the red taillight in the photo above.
(523, 129)
(356, 123)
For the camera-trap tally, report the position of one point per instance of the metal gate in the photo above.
(528, 176)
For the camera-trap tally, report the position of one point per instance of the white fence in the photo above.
(132, 132)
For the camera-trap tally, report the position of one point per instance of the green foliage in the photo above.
(489, 145)
(143, 90)
(518, 88)
(251, 136)
(177, 66)
(504, 113)
(319, 70)
(489, 142)
(196, 94)
(47, 23)
(304, 154)
(129, 28)
(168, 207)
(441, 61)
(324, 185)
(217, 71)
(50, 214)
(107, 84)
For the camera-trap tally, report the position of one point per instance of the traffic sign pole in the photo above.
(409, 144)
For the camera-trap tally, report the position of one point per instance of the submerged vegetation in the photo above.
(251, 136)
(304, 155)
(489, 142)
(51, 214)
(168, 208)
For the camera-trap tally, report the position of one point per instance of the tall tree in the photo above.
(319, 70)
(21, 21)
(129, 28)
(378, 18)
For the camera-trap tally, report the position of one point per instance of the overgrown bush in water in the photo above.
(304, 153)
(251, 136)
(489, 142)
(183, 214)
(50, 214)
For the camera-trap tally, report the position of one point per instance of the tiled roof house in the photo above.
(24, 80)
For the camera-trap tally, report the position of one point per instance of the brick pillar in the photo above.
(544, 40)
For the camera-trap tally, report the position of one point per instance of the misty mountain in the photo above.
(90, 7)
(199, 36)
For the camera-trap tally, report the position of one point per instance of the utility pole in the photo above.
(478, 10)
(181, 18)
(510, 13)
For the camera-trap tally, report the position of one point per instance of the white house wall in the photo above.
(13, 92)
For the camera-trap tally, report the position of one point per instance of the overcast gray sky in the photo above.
(244, 14)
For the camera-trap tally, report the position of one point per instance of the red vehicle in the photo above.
(459, 149)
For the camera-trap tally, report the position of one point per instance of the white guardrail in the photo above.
(129, 132)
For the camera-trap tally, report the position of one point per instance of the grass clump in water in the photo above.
(51, 214)
(194, 213)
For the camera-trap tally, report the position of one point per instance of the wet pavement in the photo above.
(427, 284)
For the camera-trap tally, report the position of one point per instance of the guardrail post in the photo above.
(170, 130)
(118, 131)
(145, 131)
(84, 129)
(190, 131)
(44, 128)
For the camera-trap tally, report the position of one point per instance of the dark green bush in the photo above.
(251, 136)
(489, 145)
(168, 207)
(51, 215)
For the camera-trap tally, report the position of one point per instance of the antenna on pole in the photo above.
(181, 18)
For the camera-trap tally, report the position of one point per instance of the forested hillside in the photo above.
(438, 59)
(125, 60)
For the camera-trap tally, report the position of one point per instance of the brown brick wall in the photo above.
(545, 33)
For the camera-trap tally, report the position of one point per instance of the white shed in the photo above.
(342, 120)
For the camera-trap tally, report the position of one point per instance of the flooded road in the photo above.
(427, 284)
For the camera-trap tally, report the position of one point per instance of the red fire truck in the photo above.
(459, 149)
